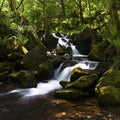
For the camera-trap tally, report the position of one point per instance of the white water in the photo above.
(44, 88)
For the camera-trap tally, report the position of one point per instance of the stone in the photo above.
(44, 71)
(78, 72)
(67, 93)
(98, 51)
(110, 77)
(22, 79)
(35, 57)
(109, 95)
(4, 76)
(83, 82)
(63, 83)
(83, 41)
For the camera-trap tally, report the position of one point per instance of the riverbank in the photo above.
(46, 107)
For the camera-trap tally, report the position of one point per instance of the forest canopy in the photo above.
(65, 16)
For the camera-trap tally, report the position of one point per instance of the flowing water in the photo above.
(10, 101)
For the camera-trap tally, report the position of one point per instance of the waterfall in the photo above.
(61, 73)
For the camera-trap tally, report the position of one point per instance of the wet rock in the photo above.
(63, 83)
(98, 51)
(109, 95)
(14, 56)
(50, 41)
(83, 82)
(22, 79)
(7, 66)
(35, 57)
(4, 76)
(110, 77)
(44, 71)
(83, 41)
(67, 93)
(56, 61)
(78, 72)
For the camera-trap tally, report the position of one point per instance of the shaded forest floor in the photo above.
(46, 107)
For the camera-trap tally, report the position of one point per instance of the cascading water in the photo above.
(61, 73)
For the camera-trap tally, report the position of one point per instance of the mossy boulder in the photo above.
(98, 51)
(63, 83)
(77, 73)
(109, 95)
(50, 41)
(102, 67)
(22, 79)
(83, 82)
(4, 76)
(116, 63)
(68, 93)
(56, 61)
(110, 77)
(44, 71)
(83, 41)
(35, 57)
(14, 56)
(7, 66)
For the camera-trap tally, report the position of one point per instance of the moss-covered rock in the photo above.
(7, 66)
(44, 71)
(22, 79)
(83, 82)
(109, 95)
(4, 76)
(83, 41)
(110, 77)
(56, 61)
(116, 63)
(98, 51)
(78, 72)
(68, 93)
(63, 83)
(35, 57)
(14, 56)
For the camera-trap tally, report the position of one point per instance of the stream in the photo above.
(39, 104)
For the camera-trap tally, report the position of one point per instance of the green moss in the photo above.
(22, 79)
(78, 72)
(110, 77)
(83, 82)
(109, 95)
(98, 51)
(44, 71)
(68, 93)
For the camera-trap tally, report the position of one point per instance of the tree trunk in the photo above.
(12, 5)
(63, 7)
(114, 13)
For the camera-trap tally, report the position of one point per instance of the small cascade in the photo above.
(62, 72)
(74, 50)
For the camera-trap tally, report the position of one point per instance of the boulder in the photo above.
(35, 57)
(50, 41)
(78, 72)
(63, 83)
(56, 61)
(7, 66)
(4, 76)
(14, 56)
(44, 71)
(22, 79)
(109, 95)
(110, 77)
(67, 93)
(83, 41)
(98, 51)
(84, 82)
